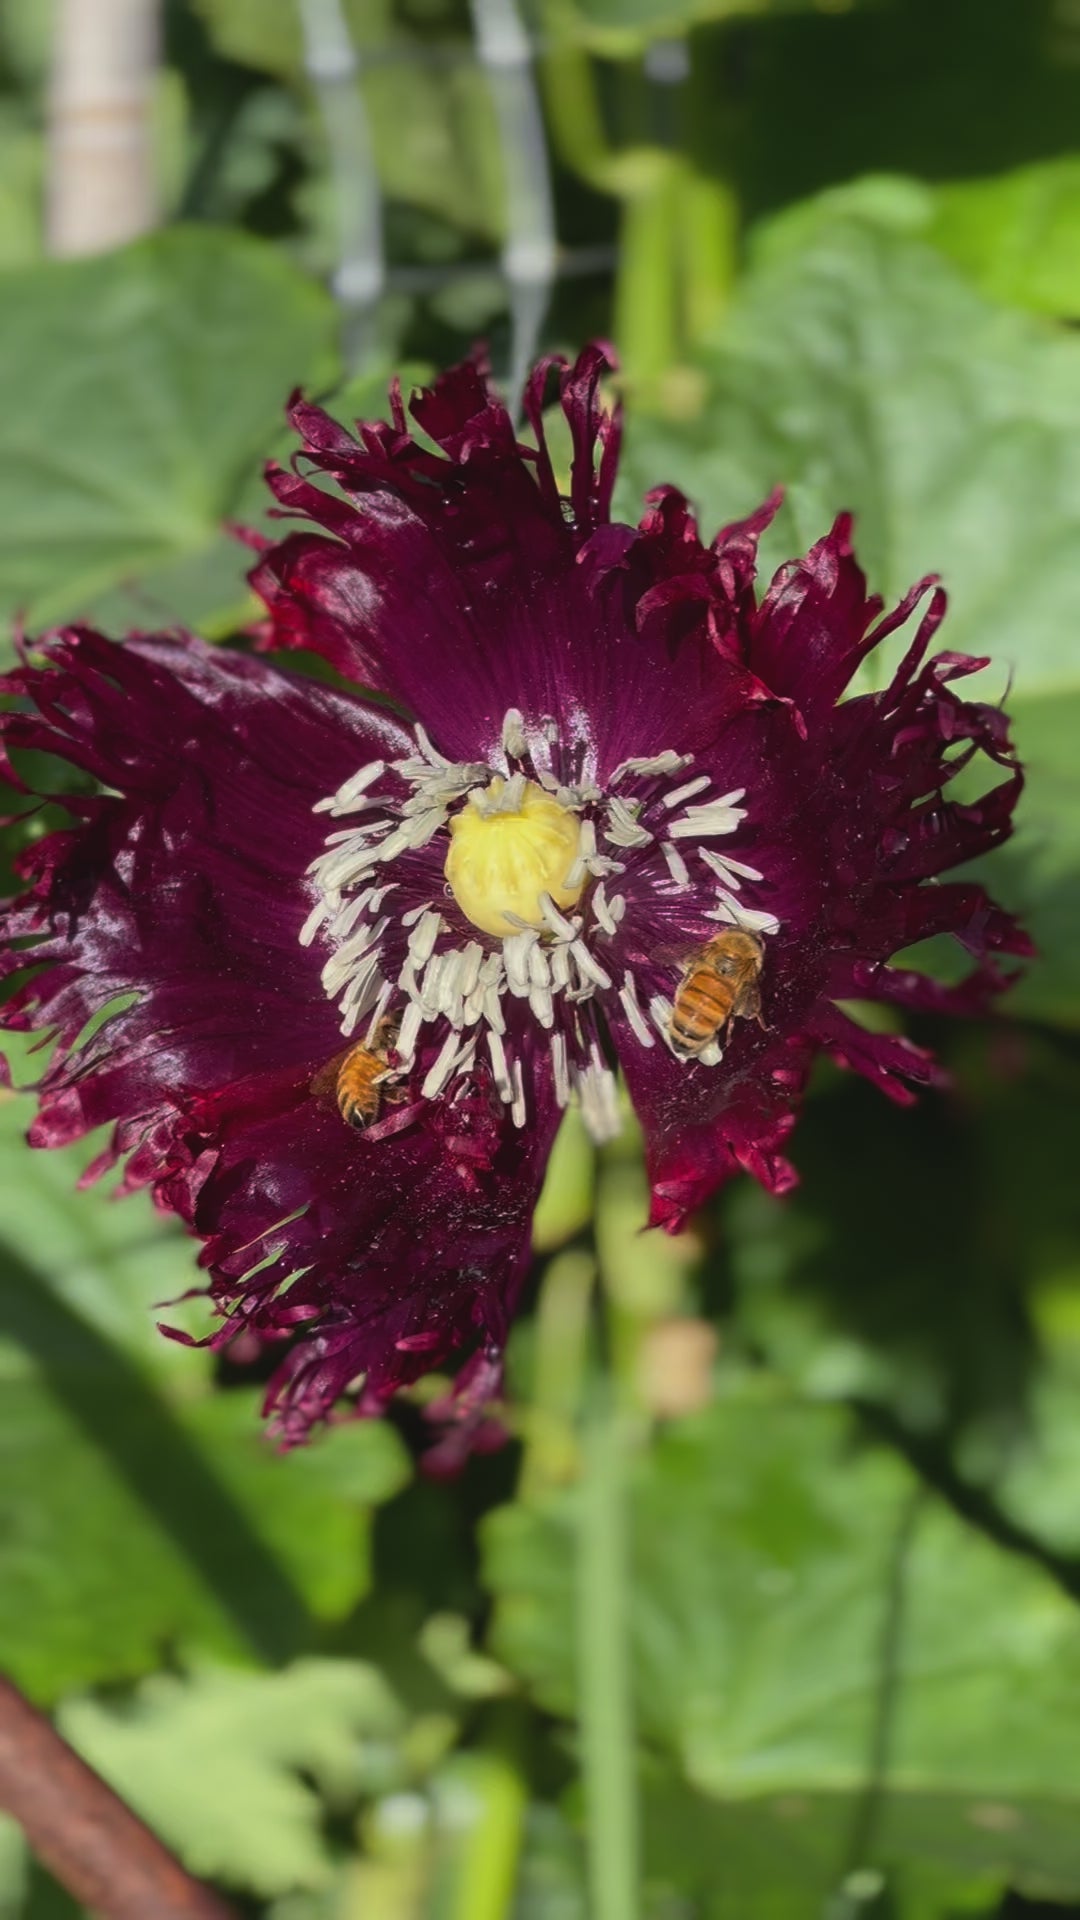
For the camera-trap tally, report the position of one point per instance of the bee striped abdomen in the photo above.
(699, 1012)
(359, 1086)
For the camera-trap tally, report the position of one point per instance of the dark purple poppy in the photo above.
(615, 814)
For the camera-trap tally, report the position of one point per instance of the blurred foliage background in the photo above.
(769, 1610)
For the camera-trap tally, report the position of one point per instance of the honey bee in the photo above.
(719, 985)
(357, 1079)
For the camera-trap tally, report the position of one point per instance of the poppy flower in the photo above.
(332, 958)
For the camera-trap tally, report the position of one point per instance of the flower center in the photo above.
(511, 845)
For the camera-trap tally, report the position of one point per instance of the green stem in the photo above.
(604, 1669)
(709, 227)
(561, 1335)
(572, 106)
(484, 1800)
(646, 283)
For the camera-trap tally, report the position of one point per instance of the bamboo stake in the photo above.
(101, 185)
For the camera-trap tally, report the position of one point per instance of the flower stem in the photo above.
(646, 286)
(604, 1667)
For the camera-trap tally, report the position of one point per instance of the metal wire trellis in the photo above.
(530, 260)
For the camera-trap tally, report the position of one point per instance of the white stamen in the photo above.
(622, 828)
(499, 1069)
(493, 1012)
(668, 762)
(599, 1100)
(519, 1110)
(449, 1000)
(539, 972)
(559, 1066)
(512, 795)
(412, 1021)
(342, 962)
(313, 922)
(628, 996)
(602, 910)
(727, 869)
(711, 1055)
(341, 801)
(560, 968)
(716, 816)
(430, 753)
(676, 865)
(586, 850)
(470, 967)
(429, 984)
(554, 919)
(734, 914)
(542, 1004)
(360, 994)
(380, 894)
(423, 937)
(686, 792)
(420, 830)
(516, 960)
(351, 913)
(386, 994)
(441, 1068)
(514, 743)
(661, 1011)
(590, 968)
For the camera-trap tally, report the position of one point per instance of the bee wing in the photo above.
(324, 1082)
(671, 954)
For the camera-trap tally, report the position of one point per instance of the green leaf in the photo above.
(623, 28)
(1037, 874)
(1017, 236)
(139, 1507)
(21, 169)
(920, 1310)
(139, 393)
(846, 1674)
(861, 371)
(264, 34)
(213, 1762)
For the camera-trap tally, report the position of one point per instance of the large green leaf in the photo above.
(139, 1507)
(843, 1673)
(138, 394)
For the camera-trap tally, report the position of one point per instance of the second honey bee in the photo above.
(357, 1079)
(720, 984)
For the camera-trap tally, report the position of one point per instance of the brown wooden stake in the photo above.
(82, 1831)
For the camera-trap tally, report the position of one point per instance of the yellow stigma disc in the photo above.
(502, 858)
